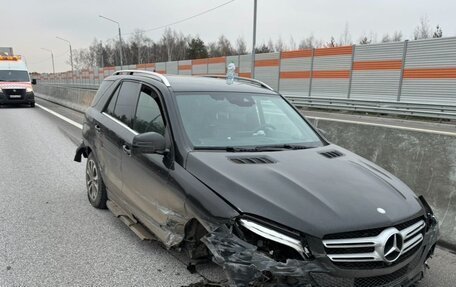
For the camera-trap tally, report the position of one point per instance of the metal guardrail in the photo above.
(379, 107)
(438, 111)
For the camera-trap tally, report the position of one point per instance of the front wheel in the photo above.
(96, 190)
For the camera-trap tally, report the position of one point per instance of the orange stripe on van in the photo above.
(267, 63)
(377, 65)
(295, 75)
(331, 74)
(345, 50)
(199, 62)
(161, 72)
(217, 60)
(444, 73)
(297, 54)
(185, 67)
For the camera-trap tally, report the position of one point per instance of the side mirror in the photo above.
(149, 143)
(33, 81)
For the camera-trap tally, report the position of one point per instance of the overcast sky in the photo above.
(28, 25)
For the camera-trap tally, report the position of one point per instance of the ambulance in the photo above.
(15, 83)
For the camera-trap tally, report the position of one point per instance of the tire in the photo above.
(32, 105)
(96, 189)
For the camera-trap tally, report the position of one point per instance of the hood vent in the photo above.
(252, 160)
(332, 154)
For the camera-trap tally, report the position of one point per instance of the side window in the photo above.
(125, 104)
(148, 114)
(112, 102)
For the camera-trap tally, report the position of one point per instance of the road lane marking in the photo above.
(79, 126)
(385, 126)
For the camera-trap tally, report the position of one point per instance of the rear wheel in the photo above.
(96, 190)
(32, 105)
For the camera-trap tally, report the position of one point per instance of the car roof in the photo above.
(182, 83)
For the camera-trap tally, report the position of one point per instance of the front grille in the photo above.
(326, 280)
(370, 248)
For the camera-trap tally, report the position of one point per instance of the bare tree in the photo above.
(280, 45)
(292, 44)
(307, 43)
(438, 33)
(397, 36)
(364, 40)
(345, 38)
(423, 30)
(270, 45)
(386, 38)
(331, 44)
(241, 46)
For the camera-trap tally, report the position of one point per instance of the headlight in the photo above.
(276, 236)
(29, 89)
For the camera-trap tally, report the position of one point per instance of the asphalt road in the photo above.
(51, 236)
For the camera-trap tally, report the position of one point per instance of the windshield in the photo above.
(226, 120)
(14, 76)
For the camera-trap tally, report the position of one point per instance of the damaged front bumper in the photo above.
(245, 265)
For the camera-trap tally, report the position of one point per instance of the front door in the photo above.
(145, 176)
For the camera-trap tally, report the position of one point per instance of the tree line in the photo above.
(175, 46)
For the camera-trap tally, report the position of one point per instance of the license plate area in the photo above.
(15, 97)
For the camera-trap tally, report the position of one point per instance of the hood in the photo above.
(307, 191)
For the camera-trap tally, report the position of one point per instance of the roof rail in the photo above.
(162, 78)
(249, 80)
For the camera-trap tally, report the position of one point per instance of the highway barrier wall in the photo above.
(75, 98)
(420, 72)
(425, 161)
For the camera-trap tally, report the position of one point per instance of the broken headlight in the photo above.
(278, 243)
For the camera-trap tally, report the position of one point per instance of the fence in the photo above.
(412, 77)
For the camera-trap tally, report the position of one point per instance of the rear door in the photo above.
(114, 127)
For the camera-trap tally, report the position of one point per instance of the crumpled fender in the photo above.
(245, 266)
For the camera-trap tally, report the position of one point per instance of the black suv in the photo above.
(231, 171)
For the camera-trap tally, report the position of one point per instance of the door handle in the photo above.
(97, 128)
(126, 149)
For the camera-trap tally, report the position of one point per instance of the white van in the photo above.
(15, 83)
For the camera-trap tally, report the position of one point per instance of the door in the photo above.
(114, 127)
(145, 176)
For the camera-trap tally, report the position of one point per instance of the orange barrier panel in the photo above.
(444, 73)
(185, 67)
(297, 54)
(377, 65)
(267, 63)
(295, 75)
(345, 50)
(218, 60)
(331, 74)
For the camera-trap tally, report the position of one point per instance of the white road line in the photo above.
(60, 116)
(386, 126)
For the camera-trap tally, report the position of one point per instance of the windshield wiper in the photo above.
(267, 148)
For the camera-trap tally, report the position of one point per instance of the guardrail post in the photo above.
(351, 72)
(311, 71)
(401, 79)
